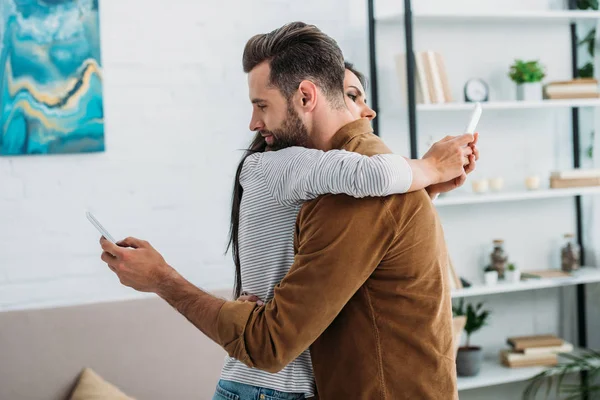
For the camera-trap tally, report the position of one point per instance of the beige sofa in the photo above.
(144, 347)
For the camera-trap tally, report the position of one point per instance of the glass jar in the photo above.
(569, 253)
(498, 258)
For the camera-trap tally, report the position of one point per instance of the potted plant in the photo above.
(528, 76)
(513, 274)
(469, 358)
(554, 377)
(490, 275)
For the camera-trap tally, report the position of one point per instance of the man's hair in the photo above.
(298, 52)
(361, 77)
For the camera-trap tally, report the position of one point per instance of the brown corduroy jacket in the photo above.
(368, 292)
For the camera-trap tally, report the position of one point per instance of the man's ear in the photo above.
(308, 95)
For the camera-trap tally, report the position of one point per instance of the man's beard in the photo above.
(292, 132)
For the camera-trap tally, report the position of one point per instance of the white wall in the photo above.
(177, 113)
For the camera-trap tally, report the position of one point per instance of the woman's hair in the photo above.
(258, 145)
(362, 79)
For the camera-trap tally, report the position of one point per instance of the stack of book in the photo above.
(531, 351)
(581, 88)
(431, 79)
(575, 178)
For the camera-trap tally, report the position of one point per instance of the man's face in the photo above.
(272, 115)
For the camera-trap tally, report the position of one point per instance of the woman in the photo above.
(272, 222)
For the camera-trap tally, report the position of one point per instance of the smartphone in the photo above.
(474, 119)
(99, 226)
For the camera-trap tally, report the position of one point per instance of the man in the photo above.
(368, 289)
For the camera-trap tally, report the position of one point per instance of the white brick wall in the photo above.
(177, 112)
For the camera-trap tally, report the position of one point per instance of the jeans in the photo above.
(228, 390)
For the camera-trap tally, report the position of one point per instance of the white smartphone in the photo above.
(474, 119)
(99, 226)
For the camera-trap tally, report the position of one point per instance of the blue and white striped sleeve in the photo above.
(298, 174)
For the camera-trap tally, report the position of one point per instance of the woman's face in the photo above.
(355, 97)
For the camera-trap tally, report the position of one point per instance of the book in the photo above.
(444, 76)
(546, 273)
(436, 78)
(526, 342)
(558, 183)
(508, 359)
(431, 77)
(565, 348)
(576, 173)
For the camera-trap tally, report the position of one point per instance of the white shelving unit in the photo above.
(492, 371)
(450, 200)
(511, 105)
(585, 275)
(517, 16)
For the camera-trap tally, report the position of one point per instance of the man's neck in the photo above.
(330, 122)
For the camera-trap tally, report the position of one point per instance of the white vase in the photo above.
(530, 91)
(496, 184)
(532, 182)
(490, 277)
(512, 276)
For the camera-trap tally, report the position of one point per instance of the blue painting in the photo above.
(50, 77)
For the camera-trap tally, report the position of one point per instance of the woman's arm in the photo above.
(298, 174)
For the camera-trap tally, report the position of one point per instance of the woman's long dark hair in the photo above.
(258, 145)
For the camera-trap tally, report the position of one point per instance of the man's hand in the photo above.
(443, 187)
(136, 263)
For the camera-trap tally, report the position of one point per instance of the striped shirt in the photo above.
(275, 184)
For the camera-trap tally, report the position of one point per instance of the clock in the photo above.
(476, 90)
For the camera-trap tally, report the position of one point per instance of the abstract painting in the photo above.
(50, 77)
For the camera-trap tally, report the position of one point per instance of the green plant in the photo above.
(476, 317)
(587, 360)
(587, 4)
(526, 72)
(511, 267)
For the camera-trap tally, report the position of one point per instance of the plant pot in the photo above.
(468, 361)
(530, 91)
(512, 276)
(490, 277)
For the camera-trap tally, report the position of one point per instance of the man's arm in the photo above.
(342, 241)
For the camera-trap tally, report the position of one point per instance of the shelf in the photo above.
(452, 200)
(519, 16)
(493, 373)
(584, 275)
(511, 105)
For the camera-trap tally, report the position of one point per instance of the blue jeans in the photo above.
(228, 390)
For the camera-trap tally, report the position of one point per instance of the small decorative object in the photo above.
(528, 76)
(476, 90)
(490, 276)
(498, 258)
(532, 182)
(469, 358)
(570, 253)
(496, 184)
(480, 186)
(513, 274)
